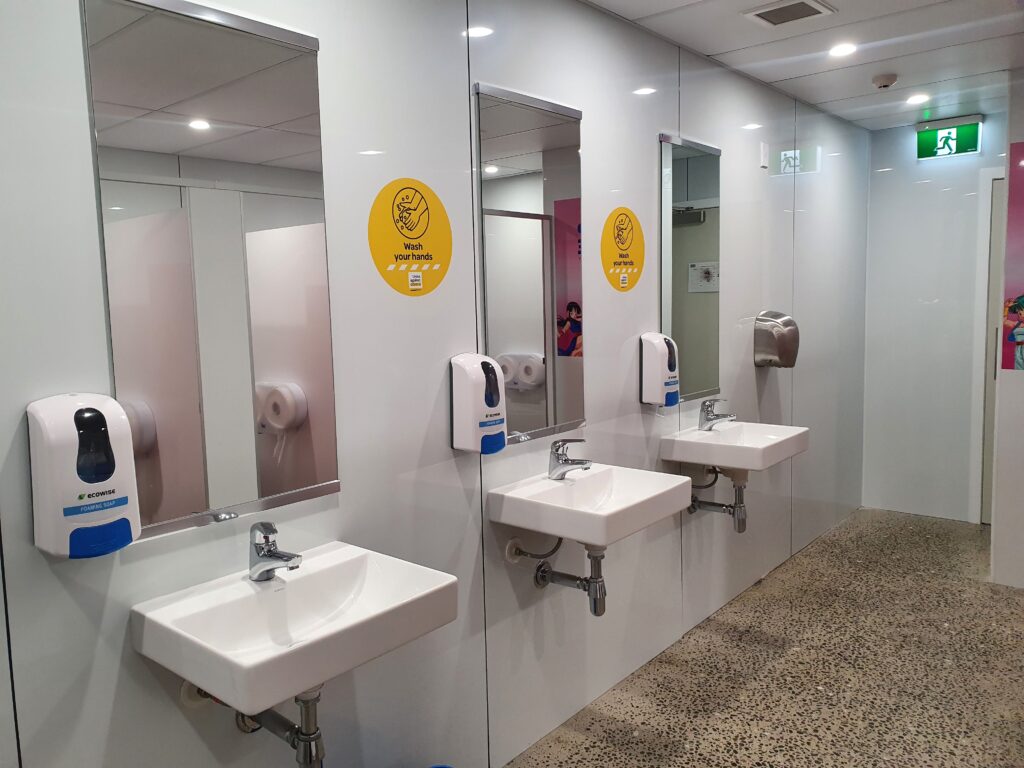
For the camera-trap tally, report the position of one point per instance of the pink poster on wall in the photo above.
(568, 277)
(1013, 295)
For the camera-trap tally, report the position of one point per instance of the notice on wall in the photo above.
(703, 277)
(1013, 296)
(622, 249)
(410, 237)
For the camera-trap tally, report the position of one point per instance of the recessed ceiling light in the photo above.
(843, 49)
(1002, 154)
(834, 154)
(115, 208)
(970, 194)
(918, 98)
(490, 169)
(369, 152)
(645, 91)
(478, 32)
(752, 126)
(923, 181)
(947, 189)
(1021, 163)
(199, 125)
(882, 170)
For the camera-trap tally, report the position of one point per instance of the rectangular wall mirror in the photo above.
(208, 152)
(529, 181)
(690, 261)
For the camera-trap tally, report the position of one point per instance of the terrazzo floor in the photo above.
(880, 644)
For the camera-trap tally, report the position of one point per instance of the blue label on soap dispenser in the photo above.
(96, 506)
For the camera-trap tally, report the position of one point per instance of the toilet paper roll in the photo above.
(509, 367)
(531, 371)
(143, 426)
(285, 407)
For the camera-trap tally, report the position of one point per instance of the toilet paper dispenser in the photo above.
(776, 340)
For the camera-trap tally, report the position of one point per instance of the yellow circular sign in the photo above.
(622, 249)
(410, 237)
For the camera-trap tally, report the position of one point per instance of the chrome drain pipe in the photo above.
(304, 737)
(737, 510)
(593, 584)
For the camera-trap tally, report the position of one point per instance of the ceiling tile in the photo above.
(503, 119)
(718, 26)
(309, 124)
(984, 107)
(161, 132)
(105, 17)
(260, 146)
(637, 9)
(108, 115)
(283, 92)
(310, 161)
(965, 90)
(886, 37)
(919, 70)
(564, 135)
(164, 59)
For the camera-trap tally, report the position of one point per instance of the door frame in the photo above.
(986, 178)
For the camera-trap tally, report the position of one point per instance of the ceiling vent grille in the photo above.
(786, 12)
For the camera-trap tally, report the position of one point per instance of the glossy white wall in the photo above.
(921, 334)
(547, 657)
(830, 241)
(405, 492)
(756, 274)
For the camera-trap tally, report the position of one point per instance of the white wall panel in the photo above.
(546, 640)
(830, 241)
(756, 274)
(921, 340)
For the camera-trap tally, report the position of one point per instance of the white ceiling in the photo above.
(956, 51)
(152, 73)
(514, 136)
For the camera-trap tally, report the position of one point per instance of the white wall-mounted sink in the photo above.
(736, 445)
(257, 644)
(596, 507)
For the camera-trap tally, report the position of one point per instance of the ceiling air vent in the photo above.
(788, 11)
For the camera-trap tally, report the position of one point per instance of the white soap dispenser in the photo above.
(478, 404)
(659, 370)
(84, 497)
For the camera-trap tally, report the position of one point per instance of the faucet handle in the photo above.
(561, 447)
(263, 532)
(709, 404)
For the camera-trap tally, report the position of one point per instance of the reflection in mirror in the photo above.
(208, 150)
(532, 249)
(690, 261)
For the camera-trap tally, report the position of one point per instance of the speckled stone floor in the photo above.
(878, 645)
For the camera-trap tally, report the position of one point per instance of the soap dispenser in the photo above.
(477, 404)
(659, 370)
(85, 502)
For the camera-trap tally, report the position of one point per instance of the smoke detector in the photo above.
(788, 11)
(881, 82)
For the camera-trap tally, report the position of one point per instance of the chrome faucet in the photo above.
(708, 417)
(559, 463)
(265, 557)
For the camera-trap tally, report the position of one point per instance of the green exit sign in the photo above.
(949, 141)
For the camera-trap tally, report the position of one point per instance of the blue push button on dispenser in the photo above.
(672, 398)
(492, 443)
(99, 540)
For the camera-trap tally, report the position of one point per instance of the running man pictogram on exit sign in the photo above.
(949, 141)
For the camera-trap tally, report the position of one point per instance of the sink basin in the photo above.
(597, 507)
(736, 445)
(255, 644)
